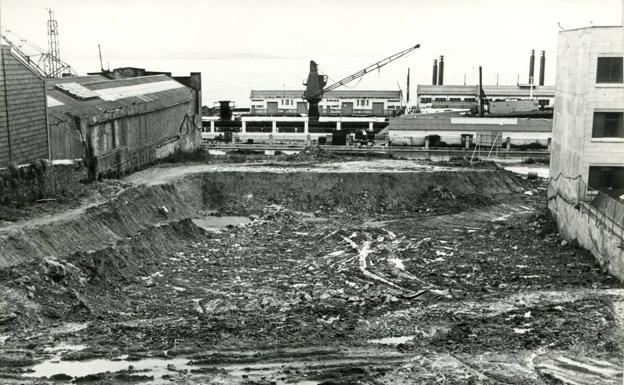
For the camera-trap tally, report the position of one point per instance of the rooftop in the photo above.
(93, 95)
(345, 94)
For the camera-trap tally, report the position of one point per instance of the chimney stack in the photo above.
(441, 72)
(532, 67)
(542, 68)
(435, 72)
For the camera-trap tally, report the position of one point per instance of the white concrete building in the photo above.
(334, 103)
(588, 133)
(587, 159)
(436, 98)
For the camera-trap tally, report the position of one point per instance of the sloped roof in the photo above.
(94, 95)
(345, 94)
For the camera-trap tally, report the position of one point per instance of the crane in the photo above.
(315, 85)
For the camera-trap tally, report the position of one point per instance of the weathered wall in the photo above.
(65, 140)
(136, 140)
(23, 124)
(578, 224)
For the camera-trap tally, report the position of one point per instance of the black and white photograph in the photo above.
(312, 192)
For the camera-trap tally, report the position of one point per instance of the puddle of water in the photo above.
(69, 327)
(392, 340)
(542, 172)
(156, 367)
(217, 223)
(216, 152)
(63, 347)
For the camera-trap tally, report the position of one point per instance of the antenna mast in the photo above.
(54, 65)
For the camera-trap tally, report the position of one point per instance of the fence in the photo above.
(606, 210)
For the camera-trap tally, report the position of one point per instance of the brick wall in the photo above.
(23, 125)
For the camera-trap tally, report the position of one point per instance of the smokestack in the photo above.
(542, 68)
(480, 92)
(435, 72)
(441, 72)
(532, 67)
(408, 87)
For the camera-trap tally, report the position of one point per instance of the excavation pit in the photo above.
(331, 259)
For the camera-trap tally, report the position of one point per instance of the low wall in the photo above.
(41, 180)
(578, 221)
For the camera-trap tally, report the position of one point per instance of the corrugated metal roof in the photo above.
(148, 92)
(345, 94)
(546, 91)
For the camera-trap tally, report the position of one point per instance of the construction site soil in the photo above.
(359, 272)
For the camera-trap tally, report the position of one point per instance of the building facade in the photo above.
(23, 125)
(588, 123)
(437, 98)
(587, 160)
(334, 103)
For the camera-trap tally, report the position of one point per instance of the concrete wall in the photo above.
(578, 96)
(23, 121)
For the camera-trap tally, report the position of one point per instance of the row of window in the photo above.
(543, 102)
(363, 102)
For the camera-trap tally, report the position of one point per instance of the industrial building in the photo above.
(437, 98)
(118, 125)
(465, 131)
(334, 103)
(23, 125)
(587, 159)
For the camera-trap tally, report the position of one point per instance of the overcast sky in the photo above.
(497, 34)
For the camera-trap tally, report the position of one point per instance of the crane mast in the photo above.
(315, 86)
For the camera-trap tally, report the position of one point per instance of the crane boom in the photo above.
(314, 87)
(370, 68)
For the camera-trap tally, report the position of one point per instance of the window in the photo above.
(543, 102)
(470, 99)
(608, 125)
(609, 70)
(455, 99)
(440, 99)
(606, 178)
(425, 100)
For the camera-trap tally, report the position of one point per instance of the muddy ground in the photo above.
(449, 287)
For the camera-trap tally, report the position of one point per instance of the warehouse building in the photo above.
(418, 129)
(23, 126)
(334, 103)
(118, 125)
(437, 98)
(587, 161)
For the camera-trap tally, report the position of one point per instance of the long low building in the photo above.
(117, 125)
(457, 130)
(334, 103)
(435, 98)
